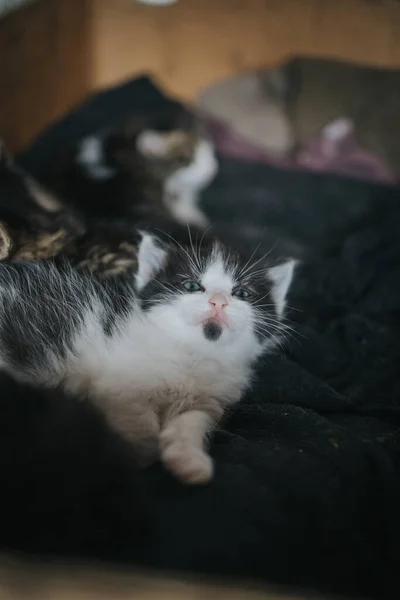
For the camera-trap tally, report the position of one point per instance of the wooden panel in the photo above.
(54, 580)
(44, 66)
(193, 43)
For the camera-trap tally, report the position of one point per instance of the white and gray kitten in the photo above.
(169, 158)
(162, 357)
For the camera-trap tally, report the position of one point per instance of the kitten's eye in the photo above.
(193, 286)
(241, 293)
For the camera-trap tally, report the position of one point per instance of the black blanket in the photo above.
(307, 467)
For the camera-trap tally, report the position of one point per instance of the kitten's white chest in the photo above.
(171, 372)
(143, 364)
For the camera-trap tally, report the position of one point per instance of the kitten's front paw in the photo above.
(189, 464)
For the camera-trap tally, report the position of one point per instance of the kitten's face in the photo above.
(183, 160)
(210, 298)
(172, 149)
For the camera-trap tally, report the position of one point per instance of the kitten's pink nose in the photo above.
(218, 300)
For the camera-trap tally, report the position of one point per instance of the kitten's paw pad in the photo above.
(189, 465)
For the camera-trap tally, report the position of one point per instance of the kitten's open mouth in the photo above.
(212, 330)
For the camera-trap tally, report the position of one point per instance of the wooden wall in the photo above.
(54, 52)
(44, 66)
(193, 43)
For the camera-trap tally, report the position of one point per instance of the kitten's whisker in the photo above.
(255, 306)
(268, 333)
(199, 244)
(275, 334)
(195, 255)
(269, 324)
(293, 308)
(265, 320)
(278, 343)
(171, 289)
(204, 234)
(280, 326)
(287, 336)
(164, 285)
(265, 296)
(251, 266)
(191, 261)
(262, 270)
(283, 326)
(293, 330)
(253, 254)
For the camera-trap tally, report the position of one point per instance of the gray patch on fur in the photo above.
(212, 331)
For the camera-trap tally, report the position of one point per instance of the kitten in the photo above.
(314, 92)
(162, 357)
(160, 162)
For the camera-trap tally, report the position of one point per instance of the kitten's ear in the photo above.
(152, 144)
(151, 259)
(281, 277)
(5, 242)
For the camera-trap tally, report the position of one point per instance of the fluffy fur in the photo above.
(162, 357)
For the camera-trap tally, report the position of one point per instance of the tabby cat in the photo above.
(33, 222)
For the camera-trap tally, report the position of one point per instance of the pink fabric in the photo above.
(228, 143)
(335, 151)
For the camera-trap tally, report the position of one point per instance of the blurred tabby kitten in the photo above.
(156, 164)
(313, 92)
(33, 222)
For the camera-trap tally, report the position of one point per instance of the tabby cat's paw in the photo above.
(189, 464)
